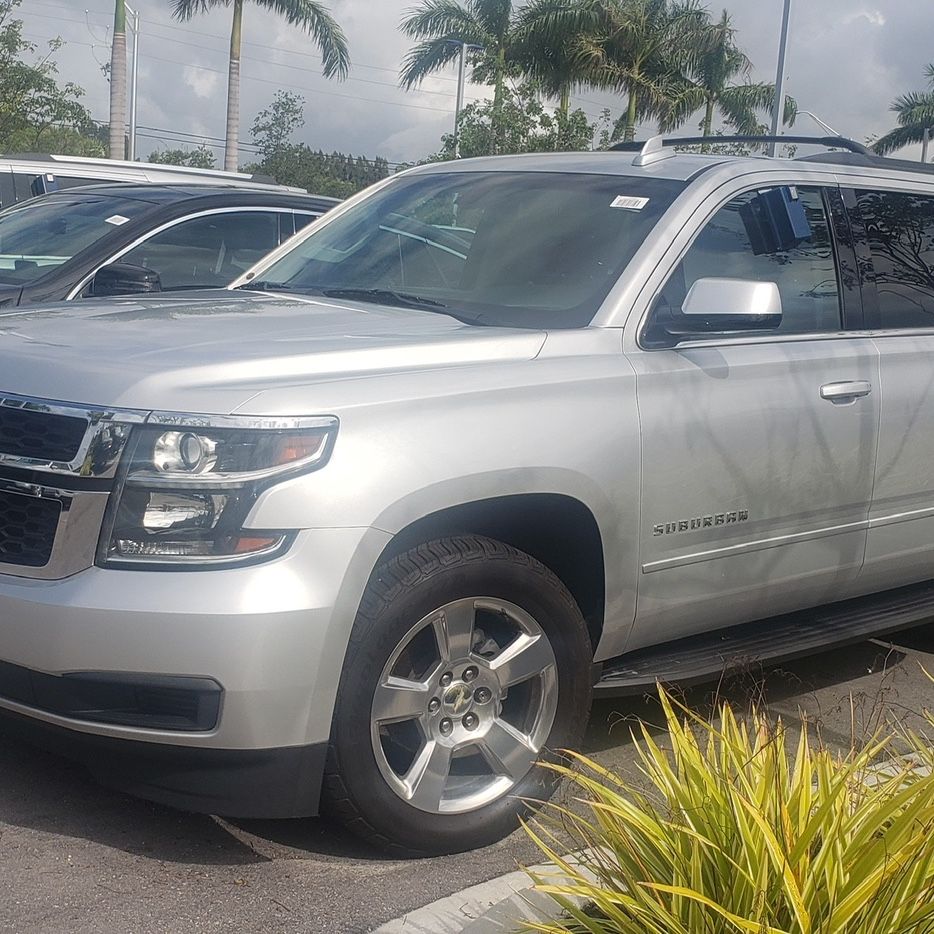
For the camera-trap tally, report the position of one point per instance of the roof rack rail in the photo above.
(870, 159)
(833, 142)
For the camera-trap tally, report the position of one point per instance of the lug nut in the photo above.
(483, 695)
(470, 673)
(434, 705)
(471, 721)
(446, 726)
(446, 679)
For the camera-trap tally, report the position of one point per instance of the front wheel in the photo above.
(468, 662)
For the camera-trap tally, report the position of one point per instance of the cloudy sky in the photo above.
(848, 59)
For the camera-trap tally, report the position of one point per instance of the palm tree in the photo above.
(310, 15)
(442, 26)
(118, 83)
(716, 64)
(915, 114)
(548, 46)
(642, 48)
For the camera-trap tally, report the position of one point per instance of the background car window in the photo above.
(40, 235)
(805, 274)
(900, 230)
(303, 219)
(207, 251)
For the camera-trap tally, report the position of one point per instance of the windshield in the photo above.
(521, 249)
(38, 236)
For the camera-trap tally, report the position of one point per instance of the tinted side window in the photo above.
(900, 231)
(729, 247)
(208, 251)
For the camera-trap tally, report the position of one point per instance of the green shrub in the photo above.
(737, 834)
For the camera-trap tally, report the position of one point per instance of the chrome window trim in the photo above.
(76, 291)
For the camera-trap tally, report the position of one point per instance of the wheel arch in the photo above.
(557, 529)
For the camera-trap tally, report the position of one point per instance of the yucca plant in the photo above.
(741, 830)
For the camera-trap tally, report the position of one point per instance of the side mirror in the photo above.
(719, 306)
(124, 279)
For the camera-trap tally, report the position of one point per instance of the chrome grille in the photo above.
(57, 464)
(39, 435)
(27, 529)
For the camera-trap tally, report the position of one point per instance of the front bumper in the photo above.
(271, 636)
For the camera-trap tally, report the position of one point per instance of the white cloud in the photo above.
(204, 83)
(873, 17)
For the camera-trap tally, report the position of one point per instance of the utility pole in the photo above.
(459, 106)
(925, 142)
(779, 108)
(131, 145)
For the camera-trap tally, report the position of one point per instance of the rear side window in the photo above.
(732, 246)
(208, 251)
(900, 232)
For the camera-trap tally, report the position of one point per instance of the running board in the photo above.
(709, 655)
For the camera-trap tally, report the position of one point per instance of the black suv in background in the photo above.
(121, 239)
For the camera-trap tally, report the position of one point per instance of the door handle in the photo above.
(846, 392)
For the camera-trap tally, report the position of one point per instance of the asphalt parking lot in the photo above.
(76, 857)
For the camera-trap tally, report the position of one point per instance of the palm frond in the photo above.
(316, 19)
(434, 18)
(184, 10)
(678, 108)
(898, 138)
(426, 58)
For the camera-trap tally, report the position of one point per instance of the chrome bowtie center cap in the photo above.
(458, 699)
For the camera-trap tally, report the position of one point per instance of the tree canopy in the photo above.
(37, 112)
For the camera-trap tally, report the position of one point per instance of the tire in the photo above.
(383, 775)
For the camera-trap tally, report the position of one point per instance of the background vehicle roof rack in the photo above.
(832, 142)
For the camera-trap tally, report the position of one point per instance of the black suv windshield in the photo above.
(523, 249)
(38, 236)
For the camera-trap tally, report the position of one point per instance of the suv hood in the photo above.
(211, 352)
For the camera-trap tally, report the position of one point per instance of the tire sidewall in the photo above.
(384, 624)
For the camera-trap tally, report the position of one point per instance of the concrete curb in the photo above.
(493, 907)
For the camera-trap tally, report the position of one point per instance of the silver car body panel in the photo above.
(435, 414)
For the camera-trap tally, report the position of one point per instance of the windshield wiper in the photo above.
(385, 296)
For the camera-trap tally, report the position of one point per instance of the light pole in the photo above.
(459, 105)
(779, 108)
(131, 144)
(925, 142)
(465, 47)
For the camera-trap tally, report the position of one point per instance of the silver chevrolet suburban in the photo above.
(369, 529)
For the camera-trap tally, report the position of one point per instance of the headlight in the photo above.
(186, 487)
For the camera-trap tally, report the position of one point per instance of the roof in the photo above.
(647, 158)
(156, 193)
(680, 166)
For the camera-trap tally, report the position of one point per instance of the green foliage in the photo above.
(710, 84)
(334, 174)
(37, 114)
(273, 127)
(740, 834)
(915, 112)
(525, 126)
(200, 158)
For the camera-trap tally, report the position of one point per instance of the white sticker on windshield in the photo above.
(116, 219)
(629, 202)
